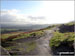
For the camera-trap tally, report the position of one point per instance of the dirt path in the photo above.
(43, 43)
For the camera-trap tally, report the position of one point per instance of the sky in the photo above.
(36, 12)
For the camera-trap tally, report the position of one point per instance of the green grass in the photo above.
(29, 46)
(71, 23)
(26, 35)
(59, 38)
(5, 36)
(49, 27)
(10, 47)
(21, 35)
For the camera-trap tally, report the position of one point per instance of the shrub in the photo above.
(59, 38)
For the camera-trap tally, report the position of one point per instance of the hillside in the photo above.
(69, 27)
(63, 39)
(48, 40)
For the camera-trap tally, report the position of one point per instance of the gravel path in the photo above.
(43, 43)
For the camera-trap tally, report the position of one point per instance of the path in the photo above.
(43, 43)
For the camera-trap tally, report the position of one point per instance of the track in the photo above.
(43, 43)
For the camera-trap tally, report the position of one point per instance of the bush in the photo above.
(59, 38)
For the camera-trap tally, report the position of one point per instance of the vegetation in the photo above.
(5, 36)
(11, 34)
(32, 34)
(49, 27)
(59, 38)
(13, 46)
(65, 35)
(68, 27)
(19, 35)
(71, 23)
(25, 47)
(29, 46)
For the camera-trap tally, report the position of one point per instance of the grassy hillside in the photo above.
(69, 27)
(9, 41)
(11, 34)
(63, 39)
(20, 35)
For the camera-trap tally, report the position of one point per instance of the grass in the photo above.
(8, 38)
(26, 35)
(59, 38)
(29, 46)
(5, 36)
(71, 23)
(19, 35)
(10, 47)
(49, 27)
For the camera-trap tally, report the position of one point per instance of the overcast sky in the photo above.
(37, 12)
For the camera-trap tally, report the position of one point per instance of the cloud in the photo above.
(11, 16)
(14, 17)
(57, 11)
(36, 17)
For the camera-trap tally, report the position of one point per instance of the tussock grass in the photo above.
(59, 38)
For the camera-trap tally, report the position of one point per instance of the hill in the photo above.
(63, 39)
(69, 27)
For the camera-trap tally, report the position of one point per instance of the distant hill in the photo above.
(24, 27)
